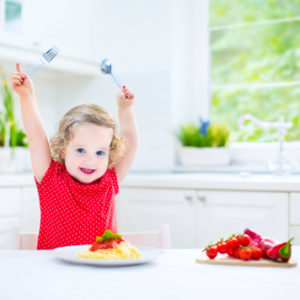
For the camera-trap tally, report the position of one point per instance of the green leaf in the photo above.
(9, 131)
(217, 135)
(108, 235)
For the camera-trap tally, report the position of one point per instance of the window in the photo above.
(255, 60)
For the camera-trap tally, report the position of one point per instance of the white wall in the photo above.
(153, 50)
(137, 37)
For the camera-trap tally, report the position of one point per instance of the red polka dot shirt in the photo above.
(73, 213)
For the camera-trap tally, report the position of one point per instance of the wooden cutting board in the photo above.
(225, 260)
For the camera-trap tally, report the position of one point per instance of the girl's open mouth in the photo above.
(87, 171)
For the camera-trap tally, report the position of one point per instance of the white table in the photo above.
(174, 275)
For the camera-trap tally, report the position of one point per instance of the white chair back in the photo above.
(28, 240)
(156, 239)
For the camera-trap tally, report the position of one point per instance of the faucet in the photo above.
(280, 125)
(282, 128)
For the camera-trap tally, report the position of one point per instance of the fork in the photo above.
(44, 59)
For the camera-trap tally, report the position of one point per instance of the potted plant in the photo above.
(14, 153)
(204, 145)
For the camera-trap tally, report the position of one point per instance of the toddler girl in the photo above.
(78, 179)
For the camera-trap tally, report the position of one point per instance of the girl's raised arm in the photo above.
(38, 143)
(128, 129)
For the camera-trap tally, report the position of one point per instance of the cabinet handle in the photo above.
(201, 198)
(188, 197)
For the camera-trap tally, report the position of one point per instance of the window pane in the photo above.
(263, 54)
(13, 16)
(224, 12)
(268, 104)
(256, 54)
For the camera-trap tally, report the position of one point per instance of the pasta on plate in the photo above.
(110, 247)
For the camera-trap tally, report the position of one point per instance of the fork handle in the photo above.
(32, 69)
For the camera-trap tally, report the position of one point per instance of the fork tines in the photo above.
(50, 54)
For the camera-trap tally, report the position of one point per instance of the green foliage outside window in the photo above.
(253, 54)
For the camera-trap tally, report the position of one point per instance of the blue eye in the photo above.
(100, 153)
(80, 150)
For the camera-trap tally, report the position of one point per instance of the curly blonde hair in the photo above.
(86, 113)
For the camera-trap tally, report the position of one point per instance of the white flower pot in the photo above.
(14, 160)
(5, 159)
(192, 156)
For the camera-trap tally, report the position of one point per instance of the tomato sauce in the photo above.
(104, 245)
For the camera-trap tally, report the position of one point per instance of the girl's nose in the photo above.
(90, 160)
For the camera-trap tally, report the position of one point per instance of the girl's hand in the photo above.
(22, 84)
(125, 97)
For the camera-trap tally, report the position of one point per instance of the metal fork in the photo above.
(44, 59)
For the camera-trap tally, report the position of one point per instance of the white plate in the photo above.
(69, 254)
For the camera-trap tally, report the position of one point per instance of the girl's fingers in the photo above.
(130, 95)
(20, 71)
(16, 83)
(17, 79)
(18, 67)
(16, 76)
(23, 75)
(127, 92)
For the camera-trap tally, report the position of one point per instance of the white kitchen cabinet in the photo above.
(30, 214)
(146, 209)
(64, 23)
(9, 233)
(198, 209)
(43, 24)
(295, 233)
(295, 209)
(295, 217)
(10, 202)
(222, 213)
(10, 209)
(199, 217)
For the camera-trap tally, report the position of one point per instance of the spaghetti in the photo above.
(110, 247)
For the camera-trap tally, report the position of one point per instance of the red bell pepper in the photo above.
(256, 238)
(271, 249)
(281, 251)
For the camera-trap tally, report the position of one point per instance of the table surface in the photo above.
(174, 275)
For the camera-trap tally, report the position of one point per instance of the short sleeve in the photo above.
(54, 168)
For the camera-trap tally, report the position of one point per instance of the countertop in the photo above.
(207, 181)
(215, 181)
(26, 274)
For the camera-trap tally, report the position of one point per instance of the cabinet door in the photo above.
(145, 209)
(9, 217)
(9, 233)
(30, 216)
(295, 217)
(10, 202)
(52, 21)
(221, 214)
(295, 209)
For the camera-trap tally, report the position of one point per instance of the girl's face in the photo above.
(86, 156)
